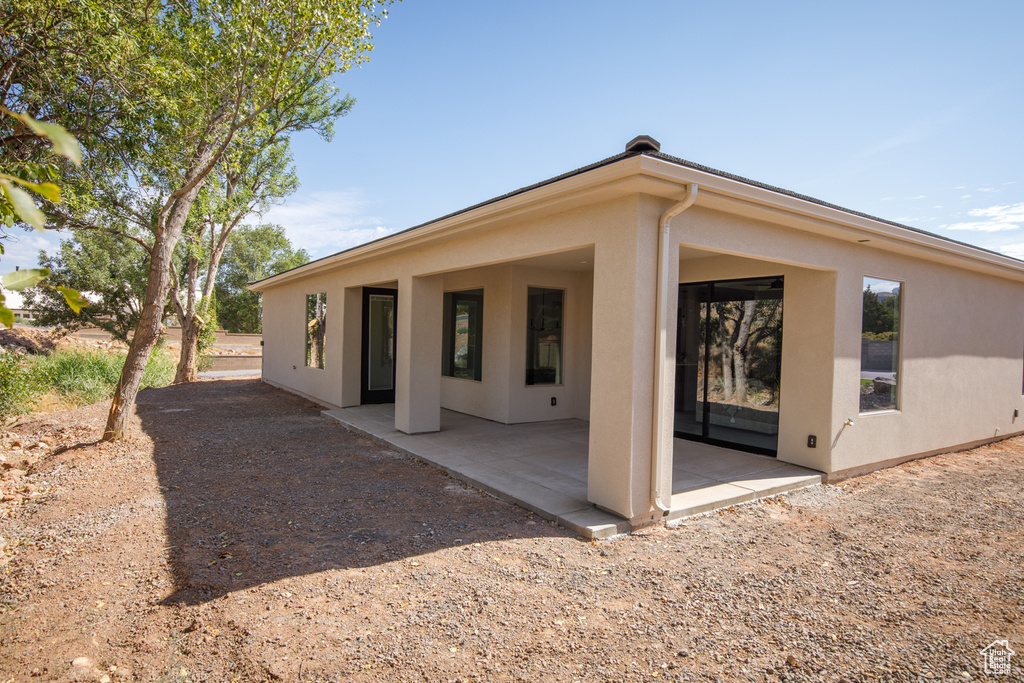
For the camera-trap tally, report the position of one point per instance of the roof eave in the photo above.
(673, 172)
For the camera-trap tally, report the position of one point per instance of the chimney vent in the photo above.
(643, 143)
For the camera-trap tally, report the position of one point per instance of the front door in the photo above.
(729, 363)
(380, 307)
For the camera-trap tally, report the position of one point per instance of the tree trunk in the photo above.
(191, 323)
(138, 356)
(725, 344)
(741, 351)
(188, 361)
(166, 238)
(191, 327)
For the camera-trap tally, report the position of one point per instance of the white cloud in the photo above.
(987, 189)
(326, 222)
(1014, 250)
(21, 248)
(994, 219)
(966, 196)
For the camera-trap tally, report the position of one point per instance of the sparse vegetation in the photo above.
(20, 386)
(76, 376)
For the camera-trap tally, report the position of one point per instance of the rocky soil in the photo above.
(240, 536)
(24, 339)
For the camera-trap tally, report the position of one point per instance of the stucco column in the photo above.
(622, 385)
(418, 354)
(351, 345)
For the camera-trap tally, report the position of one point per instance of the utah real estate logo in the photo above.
(997, 657)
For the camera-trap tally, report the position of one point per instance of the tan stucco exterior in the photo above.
(595, 235)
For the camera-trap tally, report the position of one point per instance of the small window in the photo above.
(316, 329)
(544, 335)
(880, 345)
(463, 334)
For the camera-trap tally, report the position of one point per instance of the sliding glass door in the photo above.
(728, 363)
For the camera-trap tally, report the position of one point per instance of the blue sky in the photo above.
(911, 111)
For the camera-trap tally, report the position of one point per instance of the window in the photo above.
(544, 335)
(880, 345)
(316, 329)
(463, 334)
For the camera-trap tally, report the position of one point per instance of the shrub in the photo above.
(20, 385)
(91, 376)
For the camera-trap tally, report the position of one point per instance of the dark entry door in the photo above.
(729, 363)
(380, 306)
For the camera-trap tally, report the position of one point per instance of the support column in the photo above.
(622, 385)
(351, 346)
(418, 354)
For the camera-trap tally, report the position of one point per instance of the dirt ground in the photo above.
(240, 536)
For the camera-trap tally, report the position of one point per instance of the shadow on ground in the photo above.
(259, 487)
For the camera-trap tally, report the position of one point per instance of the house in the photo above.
(669, 305)
(15, 301)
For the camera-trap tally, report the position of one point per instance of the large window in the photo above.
(729, 363)
(463, 334)
(544, 335)
(880, 345)
(316, 329)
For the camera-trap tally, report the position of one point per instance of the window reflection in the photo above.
(880, 344)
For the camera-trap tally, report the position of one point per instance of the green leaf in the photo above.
(24, 206)
(64, 143)
(48, 190)
(6, 316)
(20, 279)
(73, 298)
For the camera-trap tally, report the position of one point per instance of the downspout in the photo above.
(661, 341)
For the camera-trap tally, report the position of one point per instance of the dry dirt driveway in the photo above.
(240, 536)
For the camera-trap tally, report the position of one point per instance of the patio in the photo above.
(542, 466)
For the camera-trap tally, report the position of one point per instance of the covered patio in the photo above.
(542, 466)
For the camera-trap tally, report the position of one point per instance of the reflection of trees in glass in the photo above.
(881, 314)
(544, 336)
(748, 337)
(880, 342)
(316, 329)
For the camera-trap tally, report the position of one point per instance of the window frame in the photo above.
(897, 361)
(475, 353)
(531, 355)
(315, 301)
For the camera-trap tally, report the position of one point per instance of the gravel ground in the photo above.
(240, 536)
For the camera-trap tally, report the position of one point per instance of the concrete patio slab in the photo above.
(542, 466)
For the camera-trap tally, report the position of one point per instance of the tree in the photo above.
(748, 333)
(18, 205)
(248, 181)
(880, 313)
(227, 68)
(62, 62)
(111, 272)
(163, 91)
(252, 253)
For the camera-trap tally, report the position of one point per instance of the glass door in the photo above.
(728, 363)
(378, 357)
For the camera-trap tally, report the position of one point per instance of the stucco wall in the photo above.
(808, 309)
(502, 394)
(960, 375)
(962, 341)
